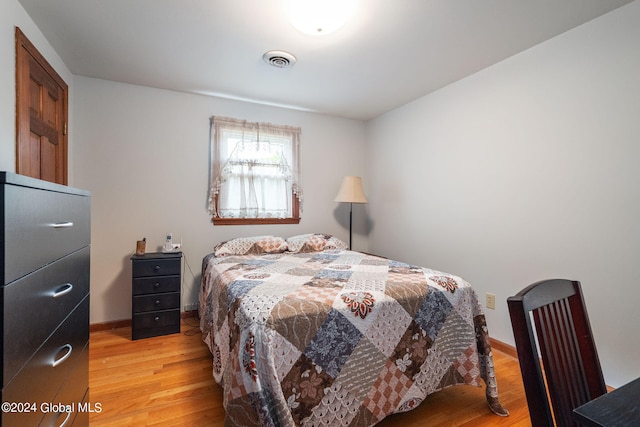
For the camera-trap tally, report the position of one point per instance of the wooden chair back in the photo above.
(550, 324)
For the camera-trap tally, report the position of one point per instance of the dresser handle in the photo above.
(156, 268)
(66, 419)
(63, 358)
(64, 224)
(157, 319)
(63, 290)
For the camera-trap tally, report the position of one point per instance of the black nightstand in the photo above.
(155, 288)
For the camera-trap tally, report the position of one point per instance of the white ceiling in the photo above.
(393, 52)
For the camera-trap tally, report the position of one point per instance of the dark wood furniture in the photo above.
(563, 334)
(155, 306)
(44, 251)
(42, 109)
(619, 408)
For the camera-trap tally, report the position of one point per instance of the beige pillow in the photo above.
(251, 246)
(314, 243)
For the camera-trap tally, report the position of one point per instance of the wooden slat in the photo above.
(168, 381)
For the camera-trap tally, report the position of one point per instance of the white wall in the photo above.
(525, 171)
(13, 15)
(143, 153)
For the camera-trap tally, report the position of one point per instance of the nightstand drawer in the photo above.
(156, 302)
(157, 319)
(156, 267)
(156, 285)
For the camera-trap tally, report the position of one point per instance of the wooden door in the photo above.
(41, 115)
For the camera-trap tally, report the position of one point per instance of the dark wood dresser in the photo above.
(155, 288)
(45, 236)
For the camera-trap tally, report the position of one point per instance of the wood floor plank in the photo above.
(168, 381)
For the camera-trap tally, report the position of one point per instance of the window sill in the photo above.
(254, 221)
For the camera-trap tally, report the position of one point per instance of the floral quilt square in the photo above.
(333, 343)
(433, 312)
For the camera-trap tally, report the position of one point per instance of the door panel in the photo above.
(41, 115)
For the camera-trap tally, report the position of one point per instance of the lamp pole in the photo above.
(350, 223)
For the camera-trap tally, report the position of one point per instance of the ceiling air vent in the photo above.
(279, 59)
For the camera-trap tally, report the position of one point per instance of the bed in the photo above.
(304, 332)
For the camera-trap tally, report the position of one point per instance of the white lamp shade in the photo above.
(351, 191)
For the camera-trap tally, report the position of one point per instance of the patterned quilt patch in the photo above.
(333, 343)
(338, 337)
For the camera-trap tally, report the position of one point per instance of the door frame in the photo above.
(23, 114)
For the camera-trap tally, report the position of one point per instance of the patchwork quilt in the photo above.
(338, 337)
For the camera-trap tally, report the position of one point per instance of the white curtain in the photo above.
(254, 169)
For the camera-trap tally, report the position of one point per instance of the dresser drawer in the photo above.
(37, 303)
(39, 380)
(153, 302)
(156, 267)
(42, 226)
(152, 285)
(71, 393)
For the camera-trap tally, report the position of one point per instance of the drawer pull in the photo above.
(156, 268)
(156, 285)
(66, 419)
(69, 349)
(157, 319)
(63, 224)
(157, 302)
(63, 290)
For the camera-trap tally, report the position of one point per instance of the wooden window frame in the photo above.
(217, 124)
(294, 219)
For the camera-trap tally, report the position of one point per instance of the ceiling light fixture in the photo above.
(319, 17)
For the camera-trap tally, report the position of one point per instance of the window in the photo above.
(254, 173)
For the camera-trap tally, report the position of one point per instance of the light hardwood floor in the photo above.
(167, 381)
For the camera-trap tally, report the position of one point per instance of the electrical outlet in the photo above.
(490, 301)
(191, 307)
